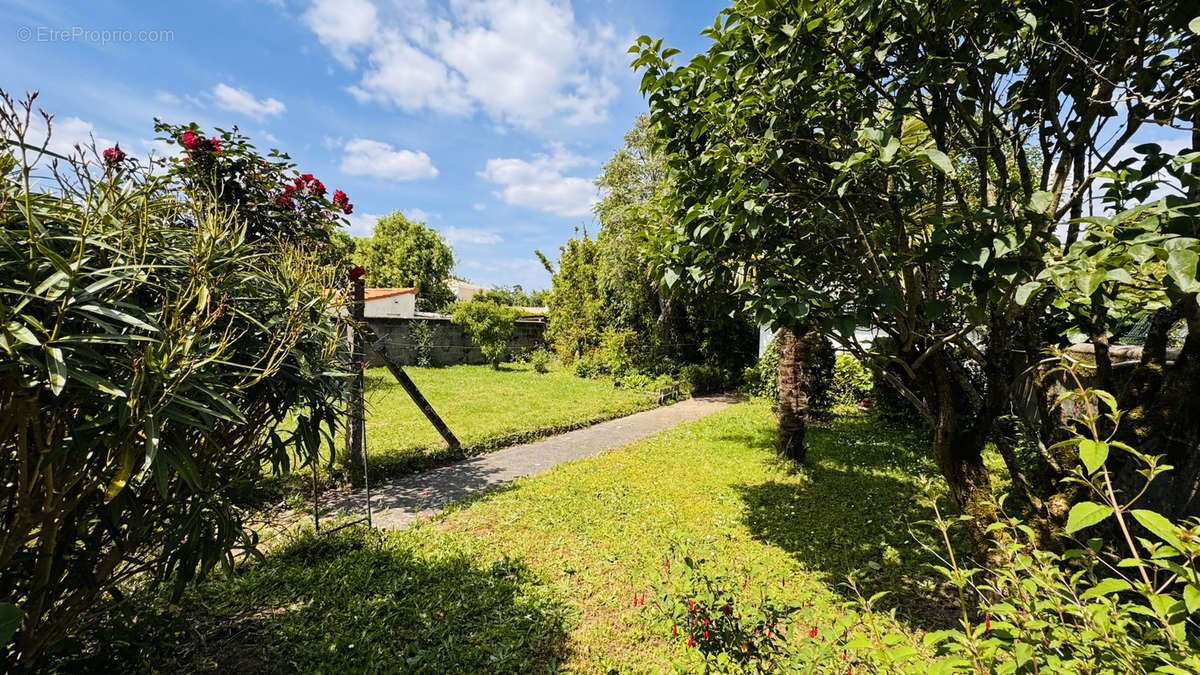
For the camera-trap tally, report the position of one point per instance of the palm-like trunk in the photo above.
(794, 382)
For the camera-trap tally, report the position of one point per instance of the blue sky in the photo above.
(488, 119)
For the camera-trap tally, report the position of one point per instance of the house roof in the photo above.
(381, 293)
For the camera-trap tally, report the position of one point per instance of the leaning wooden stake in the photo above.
(366, 334)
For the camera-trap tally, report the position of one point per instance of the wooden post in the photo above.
(355, 408)
(368, 335)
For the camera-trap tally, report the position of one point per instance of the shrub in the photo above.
(762, 378)
(702, 378)
(159, 346)
(540, 359)
(422, 338)
(852, 381)
(489, 326)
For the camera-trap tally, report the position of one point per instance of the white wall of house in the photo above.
(403, 305)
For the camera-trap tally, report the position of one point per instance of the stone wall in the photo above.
(451, 346)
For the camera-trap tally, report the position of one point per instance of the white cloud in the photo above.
(362, 224)
(342, 25)
(470, 235)
(523, 62)
(365, 157)
(478, 206)
(242, 101)
(419, 215)
(65, 134)
(542, 184)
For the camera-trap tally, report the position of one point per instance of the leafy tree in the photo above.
(576, 308)
(489, 325)
(402, 252)
(906, 166)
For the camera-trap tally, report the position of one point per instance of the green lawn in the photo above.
(542, 575)
(485, 408)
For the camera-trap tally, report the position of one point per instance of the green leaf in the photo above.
(1105, 587)
(1159, 525)
(1181, 265)
(1086, 514)
(57, 368)
(1025, 290)
(11, 617)
(670, 277)
(1194, 25)
(1092, 454)
(940, 160)
(1022, 653)
(1039, 202)
(1191, 598)
(117, 315)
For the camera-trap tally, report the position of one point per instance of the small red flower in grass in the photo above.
(691, 641)
(674, 630)
(427, 493)
(705, 635)
(813, 633)
(667, 563)
(706, 621)
(691, 605)
(987, 623)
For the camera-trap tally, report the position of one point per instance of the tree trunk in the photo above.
(794, 383)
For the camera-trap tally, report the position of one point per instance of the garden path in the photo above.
(399, 502)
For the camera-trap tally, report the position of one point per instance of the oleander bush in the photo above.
(490, 327)
(161, 350)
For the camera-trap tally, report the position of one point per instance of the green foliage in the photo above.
(711, 605)
(763, 379)
(852, 381)
(401, 252)
(540, 360)
(702, 378)
(515, 296)
(422, 334)
(576, 309)
(909, 168)
(609, 283)
(490, 327)
(157, 357)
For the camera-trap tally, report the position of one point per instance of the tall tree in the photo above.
(906, 166)
(403, 252)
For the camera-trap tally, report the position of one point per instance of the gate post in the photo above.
(355, 409)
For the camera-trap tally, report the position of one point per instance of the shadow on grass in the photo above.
(850, 508)
(349, 602)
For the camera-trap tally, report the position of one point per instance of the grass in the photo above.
(540, 576)
(485, 408)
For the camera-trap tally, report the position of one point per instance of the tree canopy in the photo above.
(923, 169)
(403, 252)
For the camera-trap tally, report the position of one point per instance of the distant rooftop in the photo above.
(380, 293)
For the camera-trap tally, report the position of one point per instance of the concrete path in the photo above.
(399, 503)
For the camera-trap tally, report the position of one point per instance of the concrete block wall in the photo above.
(451, 346)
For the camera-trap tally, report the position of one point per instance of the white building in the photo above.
(464, 290)
(390, 303)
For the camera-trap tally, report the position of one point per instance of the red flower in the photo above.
(287, 202)
(691, 641)
(318, 187)
(306, 177)
(728, 610)
(341, 201)
(813, 633)
(843, 655)
(214, 145)
(691, 605)
(987, 623)
(706, 621)
(674, 630)
(114, 155)
(705, 635)
(289, 190)
(667, 563)
(190, 140)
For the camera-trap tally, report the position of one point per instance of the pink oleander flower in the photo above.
(114, 155)
(190, 140)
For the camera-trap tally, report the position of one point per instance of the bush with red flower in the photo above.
(266, 192)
